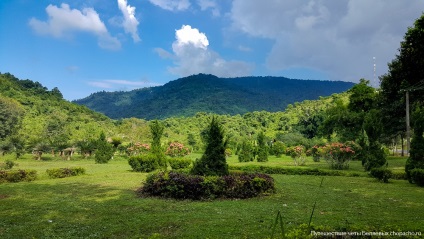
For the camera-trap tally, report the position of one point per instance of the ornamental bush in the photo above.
(138, 148)
(382, 174)
(338, 155)
(65, 172)
(14, 176)
(179, 163)
(298, 154)
(185, 186)
(278, 148)
(176, 149)
(144, 163)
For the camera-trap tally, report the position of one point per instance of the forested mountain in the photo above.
(39, 117)
(207, 93)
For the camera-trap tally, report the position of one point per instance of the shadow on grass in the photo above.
(76, 210)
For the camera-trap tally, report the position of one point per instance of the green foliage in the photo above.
(213, 161)
(20, 175)
(65, 172)
(179, 163)
(278, 148)
(291, 171)
(337, 155)
(156, 129)
(8, 164)
(144, 163)
(382, 174)
(185, 186)
(262, 148)
(246, 152)
(11, 113)
(176, 149)
(416, 158)
(298, 154)
(104, 151)
(417, 176)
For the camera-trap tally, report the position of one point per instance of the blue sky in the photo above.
(85, 46)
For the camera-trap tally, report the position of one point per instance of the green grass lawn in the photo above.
(103, 204)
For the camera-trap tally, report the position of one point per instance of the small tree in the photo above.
(156, 128)
(416, 158)
(104, 151)
(246, 152)
(278, 148)
(262, 148)
(213, 161)
(374, 156)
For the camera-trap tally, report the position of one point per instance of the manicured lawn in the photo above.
(103, 204)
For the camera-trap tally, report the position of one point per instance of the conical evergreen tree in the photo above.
(213, 161)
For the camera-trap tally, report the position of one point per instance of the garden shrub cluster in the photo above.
(20, 175)
(179, 163)
(65, 172)
(382, 174)
(144, 163)
(180, 185)
(292, 171)
(8, 164)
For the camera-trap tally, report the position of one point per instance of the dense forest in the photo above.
(208, 93)
(43, 119)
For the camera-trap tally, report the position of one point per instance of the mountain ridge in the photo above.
(208, 93)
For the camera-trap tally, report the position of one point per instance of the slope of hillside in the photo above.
(207, 93)
(46, 116)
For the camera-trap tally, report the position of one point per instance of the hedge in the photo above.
(65, 172)
(14, 176)
(180, 185)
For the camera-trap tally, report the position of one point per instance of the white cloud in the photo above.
(190, 36)
(130, 22)
(337, 37)
(63, 21)
(192, 56)
(209, 4)
(172, 5)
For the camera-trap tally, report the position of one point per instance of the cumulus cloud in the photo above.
(209, 4)
(63, 21)
(192, 56)
(130, 22)
(172, 5)
(337, 37)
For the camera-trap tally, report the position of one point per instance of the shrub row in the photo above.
(14, 176)
(382, 174)
(149, 162)
(185, 186)
(144, 163)
(292, 171)
(65, 172)
(179, 163)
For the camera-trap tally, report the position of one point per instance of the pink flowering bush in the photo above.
(176, 149)
(138, 148)
(298, 154)
(338, 155)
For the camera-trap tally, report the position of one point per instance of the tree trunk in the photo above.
(403, 146)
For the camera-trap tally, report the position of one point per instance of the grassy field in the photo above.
(103, 204)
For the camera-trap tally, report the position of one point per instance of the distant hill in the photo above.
(47, 117)
(208, 93)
